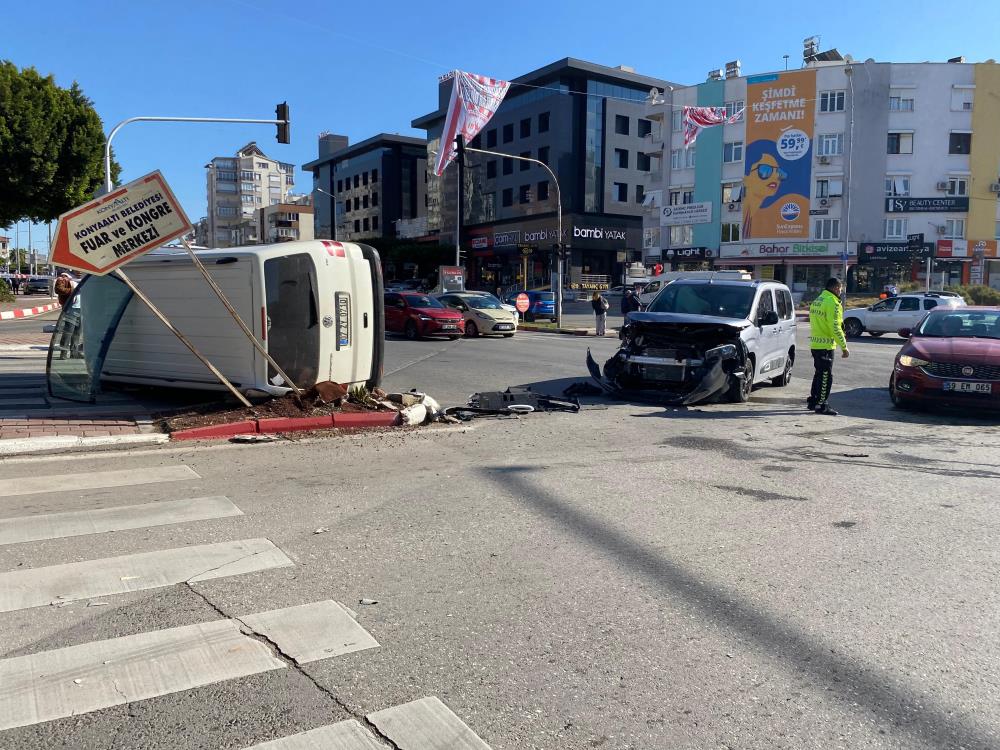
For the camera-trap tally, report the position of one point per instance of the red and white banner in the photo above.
(696, 118)
(474, 101)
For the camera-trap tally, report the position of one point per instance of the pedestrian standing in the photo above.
(826, 321)
(600, 306)
(630, 302)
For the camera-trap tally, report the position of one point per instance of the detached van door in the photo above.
(293, 326)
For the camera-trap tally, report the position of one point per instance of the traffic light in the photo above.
(284, 127)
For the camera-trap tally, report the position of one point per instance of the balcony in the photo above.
(656, 112)
(652, 144)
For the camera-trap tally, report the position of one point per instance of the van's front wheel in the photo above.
(740, 388)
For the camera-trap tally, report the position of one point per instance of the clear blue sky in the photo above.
(369, 67)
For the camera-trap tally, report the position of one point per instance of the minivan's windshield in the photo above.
(961, 324)
(719, 300)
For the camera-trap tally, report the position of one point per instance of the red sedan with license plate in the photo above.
(419, 315)
(952, 357)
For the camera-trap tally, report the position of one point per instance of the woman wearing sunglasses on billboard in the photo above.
(762, 181)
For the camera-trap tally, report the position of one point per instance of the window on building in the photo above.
(263, 165)
(897, 185)
(543, 122)
(621, 158)
(830, 144)
(640, 194)
(507, 197)
(958, 186)
(247, 174)
(543, 154)
(831, 101)
(364, 178)
(357, 225)
(900, 104)
(829, 187)
(366, 224)
(895, 229)
(827, 229)
(900, 143)
(525, 165)
(508, 166)
(689, 157)
(340, 186)
(247, 187)
(735, 106)
(364, 201)
(357, 180)
(961, 99)
(996, 231)
(732, 192)
(526, 127)
(674, 198)
(730, 232)
(524, 194)
(508, 132)
(732, 152)
(491, 169)
(954, 229)
(619, 192)
(357, 204)
(644, 127)
(688, 196)
(543, 190)
(374, 223)
(374, 175)
(476, 142)
(374, 199)
(959, 143)
(682, 236)
(226, 211)
(491, 138)
(347, 206)
(676, 120)
(675, 158)
(643, 162)
(621, 124)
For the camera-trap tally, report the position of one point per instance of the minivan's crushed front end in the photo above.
(676, 358)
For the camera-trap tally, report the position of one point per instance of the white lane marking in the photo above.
(147, 570)
(82, 522)
(311, 632)
(426, 724)
(344, 735)
(422, 359)
(14, 486)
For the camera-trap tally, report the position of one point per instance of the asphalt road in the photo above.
(724, 576)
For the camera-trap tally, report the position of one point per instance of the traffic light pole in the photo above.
(123, 123)
(559, 237)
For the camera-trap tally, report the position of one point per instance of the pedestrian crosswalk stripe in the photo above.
(82, 522)
(91, 676)
(311, 632)
(425, 724)
(22, 589)
(14, 486)
(344, 735)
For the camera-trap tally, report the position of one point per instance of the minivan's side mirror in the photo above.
(770, 318)
(905, 333)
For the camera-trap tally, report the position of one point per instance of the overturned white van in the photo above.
(315, 305)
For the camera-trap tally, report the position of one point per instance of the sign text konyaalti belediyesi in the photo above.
(129, 229)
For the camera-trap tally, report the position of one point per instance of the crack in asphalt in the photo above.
(289, 661)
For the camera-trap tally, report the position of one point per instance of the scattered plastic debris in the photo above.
(321, 530)
(78, 682)
(854, 455)
(251, 437)
(367, 602)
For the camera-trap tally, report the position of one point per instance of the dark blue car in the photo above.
(542, 305)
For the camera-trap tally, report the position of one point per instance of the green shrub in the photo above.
(978, 294)
(5, 294)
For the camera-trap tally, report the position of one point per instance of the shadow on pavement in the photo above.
(907, 708)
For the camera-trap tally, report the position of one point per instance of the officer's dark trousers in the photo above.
(822, 376)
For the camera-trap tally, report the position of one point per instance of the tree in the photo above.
(51, 147)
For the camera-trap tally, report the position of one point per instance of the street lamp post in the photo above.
(849, 72)
(559, 237)
(333, 209)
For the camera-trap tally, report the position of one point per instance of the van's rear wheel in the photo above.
(410, 331)
(740, 388)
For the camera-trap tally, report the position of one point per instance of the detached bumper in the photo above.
(711, 380)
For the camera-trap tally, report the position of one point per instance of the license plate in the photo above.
(449, 327)
(966, 387)
(343, 305)
(504, 327)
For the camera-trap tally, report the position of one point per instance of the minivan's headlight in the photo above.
(726, 351)
(907, 361)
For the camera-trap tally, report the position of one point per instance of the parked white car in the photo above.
(890, 315)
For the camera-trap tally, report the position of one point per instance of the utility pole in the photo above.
(849, 72)
(460, 143)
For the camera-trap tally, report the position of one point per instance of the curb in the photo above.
(27, 312)
(349, 421)
(22, 446)
(564, 331)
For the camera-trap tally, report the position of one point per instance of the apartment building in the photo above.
(286, 222)
(585, 121)
(837, 162)
(237, 187)
(362, 192)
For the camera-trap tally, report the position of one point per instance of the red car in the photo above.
(417, 315)
(951, 357)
